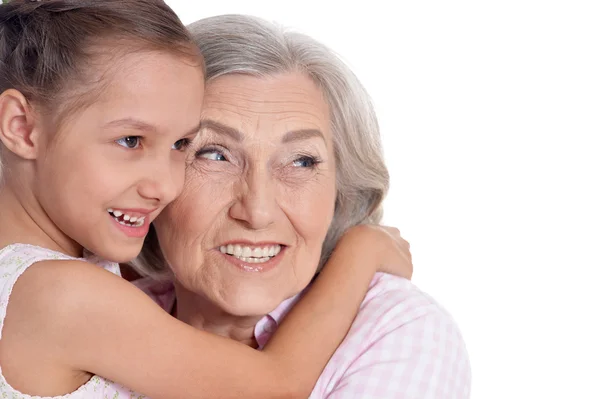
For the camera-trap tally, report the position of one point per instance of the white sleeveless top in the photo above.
(14, 260)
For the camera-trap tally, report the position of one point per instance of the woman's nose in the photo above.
(255, 205)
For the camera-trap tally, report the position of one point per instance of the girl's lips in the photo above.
(132, 231)
(132, 212)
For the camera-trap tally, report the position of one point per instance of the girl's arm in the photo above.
(88, 319)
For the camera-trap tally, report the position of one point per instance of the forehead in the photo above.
(152, 76)
(162, 89)
(289, 100)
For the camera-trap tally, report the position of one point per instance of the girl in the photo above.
(100, 100)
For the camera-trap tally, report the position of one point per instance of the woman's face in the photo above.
(247, 231)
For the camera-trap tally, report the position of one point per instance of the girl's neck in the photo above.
(199, 312)
(24, 221)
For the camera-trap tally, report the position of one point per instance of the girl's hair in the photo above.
(57, 52)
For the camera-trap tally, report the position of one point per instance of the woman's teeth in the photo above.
(127, 220)
(251, 254)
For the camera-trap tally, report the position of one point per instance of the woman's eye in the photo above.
(212, 155)
(131, 142)
(305, 162)
(181, 145)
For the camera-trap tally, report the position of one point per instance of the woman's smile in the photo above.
(258, 258)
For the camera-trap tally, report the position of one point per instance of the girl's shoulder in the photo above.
(17, 257)
(46, 294)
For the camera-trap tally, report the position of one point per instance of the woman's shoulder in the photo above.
(396, 305)
(400, 334)
(400, 300)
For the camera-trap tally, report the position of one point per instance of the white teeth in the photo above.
(127, 220)
(260, 252)
(251, 254)
(254, 260)
(237, 251)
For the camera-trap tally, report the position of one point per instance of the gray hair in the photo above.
(240, 44)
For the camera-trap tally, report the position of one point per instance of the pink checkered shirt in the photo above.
(402, 345)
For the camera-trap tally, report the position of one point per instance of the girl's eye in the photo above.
(211, 154)
(131, 142)
(305, 162)
(182, 145)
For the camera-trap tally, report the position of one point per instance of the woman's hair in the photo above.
(238, 44)
(57, 53)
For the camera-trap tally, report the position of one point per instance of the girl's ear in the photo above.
(17, 127)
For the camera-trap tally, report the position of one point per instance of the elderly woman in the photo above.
(289, 158)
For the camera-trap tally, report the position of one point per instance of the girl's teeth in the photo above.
(127, 220)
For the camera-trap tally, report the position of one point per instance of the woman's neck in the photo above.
(199, 312)
(23, 220)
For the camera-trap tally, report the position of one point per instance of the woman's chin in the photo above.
(250, 304)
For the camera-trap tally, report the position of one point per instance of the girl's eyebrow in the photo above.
(132, 123)
(140, 125)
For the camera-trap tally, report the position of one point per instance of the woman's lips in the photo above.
(253, 258)
(251, 253)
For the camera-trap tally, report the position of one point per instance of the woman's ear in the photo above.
(17, 127)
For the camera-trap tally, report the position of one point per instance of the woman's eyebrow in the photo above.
(236, 135)
(220, 128)
(302, 134)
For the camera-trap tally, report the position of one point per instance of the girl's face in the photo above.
(113, 167)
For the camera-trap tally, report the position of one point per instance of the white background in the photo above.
(490, 116)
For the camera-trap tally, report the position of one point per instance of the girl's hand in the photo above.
(384, 244)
